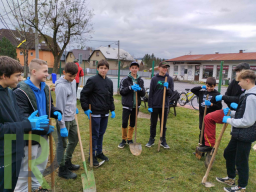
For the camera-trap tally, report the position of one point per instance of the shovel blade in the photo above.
(88, 182)
(135, 148)
(208, 184)
(199, 154)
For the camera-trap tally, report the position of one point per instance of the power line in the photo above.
(15, 8)
(102, 41)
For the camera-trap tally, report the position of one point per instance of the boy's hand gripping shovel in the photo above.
(199, 153)
(162, 120)
(136, 148)
(88, 179)
(214, 151)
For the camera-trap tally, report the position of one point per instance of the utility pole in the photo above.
(36, 32)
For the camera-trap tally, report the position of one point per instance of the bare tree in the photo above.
(63, 20)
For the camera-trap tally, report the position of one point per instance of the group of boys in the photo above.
(241, 100)
(28, 105)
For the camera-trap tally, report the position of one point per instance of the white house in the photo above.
(199, 67)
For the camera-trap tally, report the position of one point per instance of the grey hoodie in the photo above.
(66, 99)
(249, 117)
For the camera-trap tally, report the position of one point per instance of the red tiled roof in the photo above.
(217, 57)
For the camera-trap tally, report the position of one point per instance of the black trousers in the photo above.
(126, 114)
(157, 112)
(237, 156)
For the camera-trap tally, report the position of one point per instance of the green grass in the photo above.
(172, 170)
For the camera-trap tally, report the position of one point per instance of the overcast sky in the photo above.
(171, 28)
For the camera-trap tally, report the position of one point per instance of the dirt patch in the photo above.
(116, 101)
(144, 115)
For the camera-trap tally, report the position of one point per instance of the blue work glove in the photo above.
(113, 114)
(64, 132)
(204, 87)
(51, 129)
(166, 84)
(58, 114)
(218, 98)
(207, 103)
(225, 118)
(150, 110)
(38, 123)
(88, 113)
(234, 105)
(225, 111)
(77, 111)
(134, 87)
(138, 87)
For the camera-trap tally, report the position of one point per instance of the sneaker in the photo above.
(40, 189)
(122, 144)
(234, 189)
(95, 161)
(129, 142)
(150, 142)
(226, 180)
(164, 145)
(102, 157)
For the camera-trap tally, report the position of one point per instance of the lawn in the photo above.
(172, 170)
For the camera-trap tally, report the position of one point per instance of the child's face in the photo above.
(40, 74)
(69, 77)
(103, 70)
(210, 88)
(244, 83)
(13, 80)
(134, 69)
(163, 70)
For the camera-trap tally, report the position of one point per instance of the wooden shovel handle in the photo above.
(216, 146)
(162, 119)
(135, 135)
(90, 127)
(202, 130)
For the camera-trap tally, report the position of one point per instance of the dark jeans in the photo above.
(237, 155)
(157, 112)
(99, 126)
(14, 176)
(126, 114)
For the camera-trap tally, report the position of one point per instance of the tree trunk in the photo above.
(56, 64)
(26, 64)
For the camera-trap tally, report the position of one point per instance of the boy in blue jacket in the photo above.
(12, 121)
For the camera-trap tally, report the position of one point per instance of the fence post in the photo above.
(220, 76)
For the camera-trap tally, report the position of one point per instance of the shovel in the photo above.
(136, 148)
(214, 151)
(88, 179)
(162, 120)
(199, 153)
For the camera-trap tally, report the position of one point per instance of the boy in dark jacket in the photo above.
(232, 95)
(128, 86)
(12, 121)
(155, 102)
(33, 94)
(98, 92)
(201, 92)
(243, 133)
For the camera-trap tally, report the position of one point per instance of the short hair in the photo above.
(211, 81)
(247, 74)
(242, 66)
(102, 63)
(36, 63)
(71, 68)
(9, 66)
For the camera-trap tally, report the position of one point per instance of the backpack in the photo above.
(173, 99)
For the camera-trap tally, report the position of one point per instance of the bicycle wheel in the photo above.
(195, 102)
(183, 99)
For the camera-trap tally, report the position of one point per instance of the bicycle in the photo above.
(188, 96)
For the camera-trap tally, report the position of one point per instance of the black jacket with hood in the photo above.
(155, 99)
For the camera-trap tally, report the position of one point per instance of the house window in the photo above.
(176, 69)
(97, 53)
(207, 71)
(31, 54)
(233, 72)
(94, 63)
(21, 53)
(70, 55)
(224, 71)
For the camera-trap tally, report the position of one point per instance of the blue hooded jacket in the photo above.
(40, 96)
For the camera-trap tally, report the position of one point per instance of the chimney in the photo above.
(216, 52)
(108, 46)
(241, 51)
